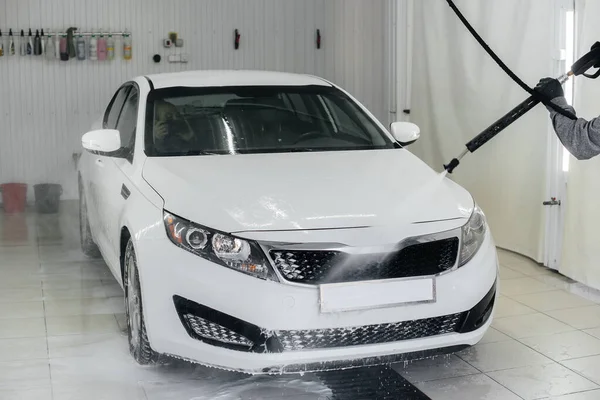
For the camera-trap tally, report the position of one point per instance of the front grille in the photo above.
(369, 334)
(321, 267)
(223, 330)
(213, 331)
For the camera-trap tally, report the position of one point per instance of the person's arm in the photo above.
(580, 137)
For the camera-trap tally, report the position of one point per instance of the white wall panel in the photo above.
(47, 105)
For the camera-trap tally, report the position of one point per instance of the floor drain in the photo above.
(373, 383)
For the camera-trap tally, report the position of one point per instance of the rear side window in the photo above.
(114, 108)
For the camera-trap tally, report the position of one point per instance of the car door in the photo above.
(117, 186)
(99, 170)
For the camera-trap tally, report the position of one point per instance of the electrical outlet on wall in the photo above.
(179, 58)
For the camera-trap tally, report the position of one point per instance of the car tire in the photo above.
(88, 246)
(139, 345)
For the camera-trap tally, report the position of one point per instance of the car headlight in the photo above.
(231, 252)
(473, 234)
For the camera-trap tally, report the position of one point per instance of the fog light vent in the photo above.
(212, 331)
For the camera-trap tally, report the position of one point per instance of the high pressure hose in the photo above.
(544, 99)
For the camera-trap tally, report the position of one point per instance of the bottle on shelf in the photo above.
(57, 46)
(127, 47)
(49, 48)
(93, 48)
(11, 43)
(23, 44)
(64, 48)
(30, 43)
(101, 48)
(110, 48)
(1, 44)
(43, 42)
(37, 44)
(81, 48)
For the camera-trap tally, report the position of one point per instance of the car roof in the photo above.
(219, 78)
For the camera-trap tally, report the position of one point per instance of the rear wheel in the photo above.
(89, 248)
(139, 345)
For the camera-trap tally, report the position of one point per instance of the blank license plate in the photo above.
(376, 294)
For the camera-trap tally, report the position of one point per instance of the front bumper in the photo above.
(170, 276)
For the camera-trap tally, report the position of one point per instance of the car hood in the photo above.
(306, 191)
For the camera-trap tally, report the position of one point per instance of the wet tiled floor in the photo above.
(62, 337)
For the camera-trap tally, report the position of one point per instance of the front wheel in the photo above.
(139, 346)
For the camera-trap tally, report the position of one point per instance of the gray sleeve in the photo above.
(580, 137)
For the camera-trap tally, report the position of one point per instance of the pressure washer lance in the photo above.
(499, 126)
(581, 66)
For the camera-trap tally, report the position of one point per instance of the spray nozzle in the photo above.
(452, 165)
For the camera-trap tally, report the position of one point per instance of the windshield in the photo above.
(232, 120)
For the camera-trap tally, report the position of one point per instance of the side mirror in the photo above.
(405, 133)
(102, 141)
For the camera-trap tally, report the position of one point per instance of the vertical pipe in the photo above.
(393, 42)
(402, 55)
(409, 55)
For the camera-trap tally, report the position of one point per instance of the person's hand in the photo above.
(160, 130)
(551, 88)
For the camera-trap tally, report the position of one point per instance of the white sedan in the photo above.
(267, 222)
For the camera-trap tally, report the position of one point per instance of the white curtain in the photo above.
(581, 244)
(458, 91)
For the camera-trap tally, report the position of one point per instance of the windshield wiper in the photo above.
(200, 153)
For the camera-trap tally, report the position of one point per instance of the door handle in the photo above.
(552, 202)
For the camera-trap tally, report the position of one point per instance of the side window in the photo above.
(114, 108)
(128, 120)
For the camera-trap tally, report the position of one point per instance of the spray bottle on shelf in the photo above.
(11, 43)
(110, 48)
(93, 48)
(71, 47)
(1, 44)
(81, 48)
(37, 44)
(127, 47)
(49, 48)
(101, 48)
(30, 43)
(43, 42)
